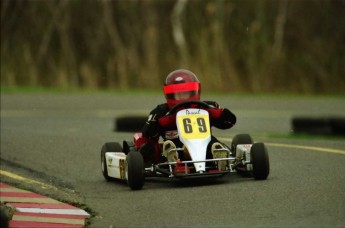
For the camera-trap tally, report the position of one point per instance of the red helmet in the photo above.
(181, 85)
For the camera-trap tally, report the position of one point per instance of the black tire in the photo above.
(108, 147)
(130, 123)
(260, 161)
(240, 139)
(319, 125)
(135, 170)
(4, 218)
(311, 125)
(338, 125)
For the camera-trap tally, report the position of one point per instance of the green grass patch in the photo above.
(30, 89)
(151, 91)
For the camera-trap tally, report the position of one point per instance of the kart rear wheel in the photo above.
(135, 170)
(260, 161)
(108, 147)
(240, 139)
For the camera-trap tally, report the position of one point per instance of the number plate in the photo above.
(194, 125)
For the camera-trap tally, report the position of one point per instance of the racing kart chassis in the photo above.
(248, 159)
(182, 169)
(127, 163)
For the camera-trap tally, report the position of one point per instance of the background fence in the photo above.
(232, 45)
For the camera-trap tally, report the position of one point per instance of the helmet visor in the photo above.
(181, 96)
(181, 91)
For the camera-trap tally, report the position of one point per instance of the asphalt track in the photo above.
(54, 140)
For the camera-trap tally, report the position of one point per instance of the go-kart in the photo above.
(125, 162)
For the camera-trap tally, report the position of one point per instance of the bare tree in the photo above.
(177, 31)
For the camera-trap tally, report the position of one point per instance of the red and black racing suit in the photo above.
(161, 125)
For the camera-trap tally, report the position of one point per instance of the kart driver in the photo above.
(181, 85)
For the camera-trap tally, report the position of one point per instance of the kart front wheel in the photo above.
(135, 170)
(260, 161)
(108, 147)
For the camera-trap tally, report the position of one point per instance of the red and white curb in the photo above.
(34, 210)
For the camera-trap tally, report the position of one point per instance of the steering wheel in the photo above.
(188, 104)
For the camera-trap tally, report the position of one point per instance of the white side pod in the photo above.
(116, 164)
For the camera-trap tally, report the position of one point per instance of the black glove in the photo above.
(227, 116)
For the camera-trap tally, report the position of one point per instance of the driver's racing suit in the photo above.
(159, 124)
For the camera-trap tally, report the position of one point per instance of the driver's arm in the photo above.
(221, 118)
(151, 128)
(226, 119)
